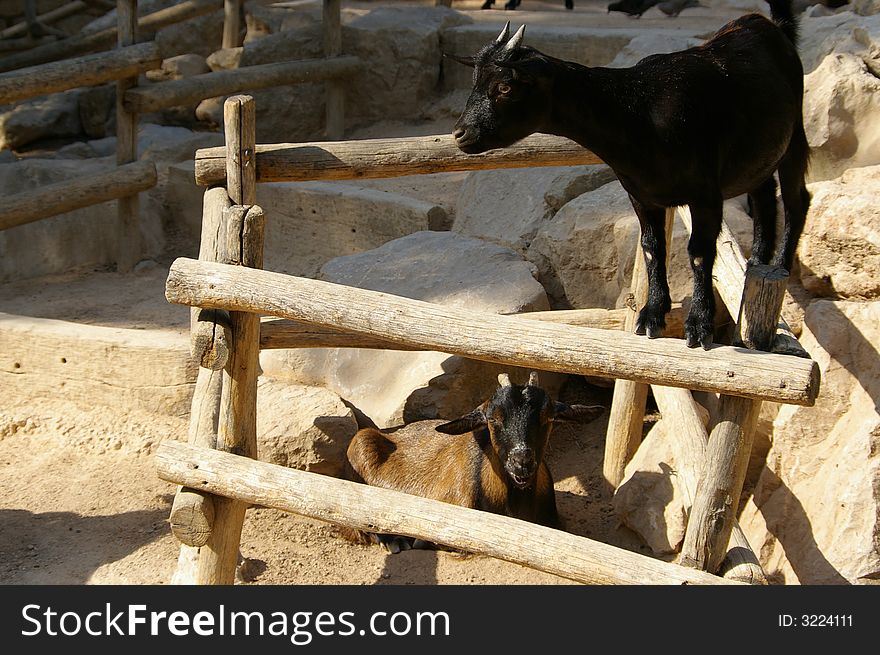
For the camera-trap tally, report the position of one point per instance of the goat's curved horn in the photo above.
(515, 40)
(505, 33)
(504, 379)
(533, 379)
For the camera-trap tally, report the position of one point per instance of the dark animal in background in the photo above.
(494, 460)
(687, 128)
(635, 8)
(513, 4)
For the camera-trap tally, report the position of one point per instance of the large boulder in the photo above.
(649, 499)
(314, 222)
(842, 115)
(814, 515)
(585, 254)
(307, 428)
(839, 251)
(841, 33)
(392, 387)
(52, 116)
(509, 206)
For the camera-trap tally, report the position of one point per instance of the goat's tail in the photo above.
(783, 16)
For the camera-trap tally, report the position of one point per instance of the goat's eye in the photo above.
(504, 89)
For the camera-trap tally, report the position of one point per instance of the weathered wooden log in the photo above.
(192, 512)
(679, 407)
(240, 118)
(231, 24)
(128, 207)
(237, 425)
(76, 193)
(728, 277)
(375, 158)
(82, 71)
(24, 43)
(625, 421)
(210, 327)
(65, 10)
(237, 422)
(500, 339)
(106, 39)
(335, 103)
(727, 456)
(276, 333)
(383, 510)
(191, 90)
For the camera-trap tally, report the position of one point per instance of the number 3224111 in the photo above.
(816, 620)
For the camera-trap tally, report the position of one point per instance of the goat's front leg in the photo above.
(706, 224)
(652, 317)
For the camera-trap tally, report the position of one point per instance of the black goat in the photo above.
(687, 128)
(513, 4)
(496, 464)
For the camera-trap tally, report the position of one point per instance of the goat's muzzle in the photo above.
(522, 467)
(465, 139)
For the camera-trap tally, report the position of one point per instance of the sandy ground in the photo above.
(80, 503)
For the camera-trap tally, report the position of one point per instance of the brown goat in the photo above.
(496, 465)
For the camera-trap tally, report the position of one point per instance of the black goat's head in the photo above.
(511, 97)
(519, 419)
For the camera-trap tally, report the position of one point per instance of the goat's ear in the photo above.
(576, 413)
(467, 61)
(467, 423)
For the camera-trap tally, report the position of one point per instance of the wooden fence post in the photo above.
(231, 23)
(129, 231)
(727, 455)
(335, 107)
(236, 428)
(624, 431)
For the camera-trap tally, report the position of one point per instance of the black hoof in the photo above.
(650, 322)
(698, 334)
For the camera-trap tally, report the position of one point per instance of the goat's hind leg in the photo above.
(652, 317)
(795, 197)
(706, 224)
(762, 209)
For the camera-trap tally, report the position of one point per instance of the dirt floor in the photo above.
(80, 503)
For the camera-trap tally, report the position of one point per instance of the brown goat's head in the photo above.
(519, 419)
(511, 98)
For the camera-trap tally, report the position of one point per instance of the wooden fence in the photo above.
(229, 295)
(37, 72)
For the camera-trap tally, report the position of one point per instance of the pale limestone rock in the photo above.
(839, 251)
(302, 427)
(509, 206)
(813, 517)
(314, 222)
(51, 116)
(392, 387)
(179, 67)
(585, 254)
(842, 115)
(649, 500)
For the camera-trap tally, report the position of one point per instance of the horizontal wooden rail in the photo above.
(65, 10)
(117, 64)
(76, 193)
(500, 339)
(105, 39)
(383, 510)
(278, 333)
(220, 83)
(373, 158)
